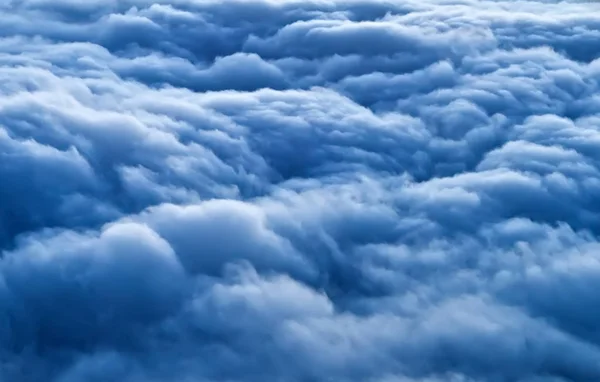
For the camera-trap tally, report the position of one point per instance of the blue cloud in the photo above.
(299, 191)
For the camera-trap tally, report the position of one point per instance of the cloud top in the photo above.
(299, 190)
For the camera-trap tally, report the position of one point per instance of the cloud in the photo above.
(299, 190)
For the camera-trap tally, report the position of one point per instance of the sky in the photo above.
(299, 191)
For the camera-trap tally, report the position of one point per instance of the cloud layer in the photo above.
(299, 190)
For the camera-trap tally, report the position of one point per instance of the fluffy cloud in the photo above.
(299, 190)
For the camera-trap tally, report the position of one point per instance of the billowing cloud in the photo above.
(299, 190)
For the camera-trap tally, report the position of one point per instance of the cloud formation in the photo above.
(299, 190)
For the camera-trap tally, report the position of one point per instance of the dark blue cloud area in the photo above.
(299, 191)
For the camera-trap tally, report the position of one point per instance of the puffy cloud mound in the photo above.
(299, 191)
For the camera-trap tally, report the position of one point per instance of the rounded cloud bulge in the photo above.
(299, 190)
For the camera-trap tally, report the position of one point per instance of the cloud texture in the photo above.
(299, 190)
